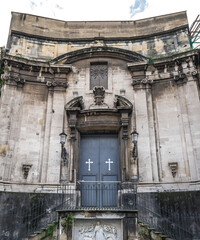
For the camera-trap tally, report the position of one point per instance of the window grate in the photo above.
(99, 75)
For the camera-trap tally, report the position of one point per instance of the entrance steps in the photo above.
(144, 233)
(147, 233)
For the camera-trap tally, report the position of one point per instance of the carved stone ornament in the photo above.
(98, 232)
(145, 80)
(180, 78)
(122, 103)
(99, 95)
(75, 103)
(72, 108)
(174, 167)
(25, 169)
(20, 82)
(5, 76)
(57, 84)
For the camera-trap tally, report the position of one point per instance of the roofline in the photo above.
(168, 14)
(33, 36)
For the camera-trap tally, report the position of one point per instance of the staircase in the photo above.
(155, 222)
(147, 233)
(160, 221)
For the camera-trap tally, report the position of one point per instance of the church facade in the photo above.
(97, 113)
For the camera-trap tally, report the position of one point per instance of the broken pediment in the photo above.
(100, 51)
(122, 103)
(75, 104)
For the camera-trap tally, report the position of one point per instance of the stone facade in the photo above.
(152, 87)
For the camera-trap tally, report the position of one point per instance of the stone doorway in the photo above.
(99, 171)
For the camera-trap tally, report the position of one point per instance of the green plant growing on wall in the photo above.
(67, 223)
(68, 220)
(49, 231)
(2, 81)
(151, 60)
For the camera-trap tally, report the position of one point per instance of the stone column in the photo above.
(53, 165)
(47, 135)
(10, 115)
(188, 97)
(144, 118)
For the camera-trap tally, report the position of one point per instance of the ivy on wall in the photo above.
(2, 81)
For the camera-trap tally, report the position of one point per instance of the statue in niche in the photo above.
(98, 232)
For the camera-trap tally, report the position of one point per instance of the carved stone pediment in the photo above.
(75, 104)
(122, 103)
(98, 116)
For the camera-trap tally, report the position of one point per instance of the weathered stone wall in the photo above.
(163, 92)
(51, 28)
(32, 119)
(163, 44)
(42, 38)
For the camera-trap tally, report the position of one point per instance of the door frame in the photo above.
(100, 121)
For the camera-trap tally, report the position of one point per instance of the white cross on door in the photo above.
(109, 162)
(89, 163)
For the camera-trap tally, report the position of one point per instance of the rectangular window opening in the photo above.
(99, 74)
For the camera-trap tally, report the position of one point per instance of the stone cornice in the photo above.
(36, 65)
(178, 68)
(106, 39)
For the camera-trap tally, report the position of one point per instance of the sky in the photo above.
(93, 10)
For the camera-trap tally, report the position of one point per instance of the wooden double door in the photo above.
(99, 170)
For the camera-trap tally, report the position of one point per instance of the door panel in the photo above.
(88, 191)
(99, 167)
(109, 191)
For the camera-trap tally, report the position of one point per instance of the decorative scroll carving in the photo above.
(72, 124)
(180, 78)
(174, 167)
(25, 169)
(146, 80)
(195, 74)
(57, 84)
(98, 232)
(20, 82)
(124, 123)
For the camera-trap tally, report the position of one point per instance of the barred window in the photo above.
(99, 74)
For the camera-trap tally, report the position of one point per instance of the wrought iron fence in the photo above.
(104, 196)
(176, 225)
(101, 195)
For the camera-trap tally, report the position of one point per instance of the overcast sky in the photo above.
(88, 10)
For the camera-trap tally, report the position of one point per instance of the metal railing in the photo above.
(101, 195)
(97, 196)
(165, 220)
